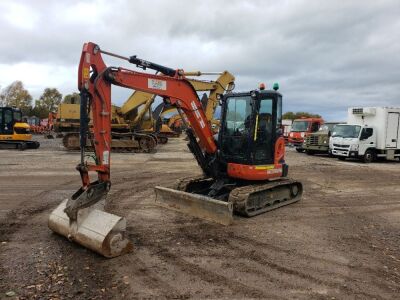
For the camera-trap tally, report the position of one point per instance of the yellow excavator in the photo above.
(143, 120)
(14, 133)
(224, 83)
(134, 126)
(123, 138)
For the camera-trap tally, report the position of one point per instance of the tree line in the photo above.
(297, 115)
(16, 95)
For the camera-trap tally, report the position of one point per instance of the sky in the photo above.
(325, 55)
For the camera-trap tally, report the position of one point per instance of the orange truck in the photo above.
(300, 129)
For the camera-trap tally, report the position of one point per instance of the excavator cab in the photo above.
(250, 127)
(248, 175)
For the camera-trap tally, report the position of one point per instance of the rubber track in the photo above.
(239, 196)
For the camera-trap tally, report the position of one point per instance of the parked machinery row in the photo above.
(370, 133)
(134, 125)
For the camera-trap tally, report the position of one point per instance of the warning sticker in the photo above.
(274, 171)
(157, 84)
(85, 73)
(106, 157)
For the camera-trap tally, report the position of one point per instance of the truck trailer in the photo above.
(370, 133)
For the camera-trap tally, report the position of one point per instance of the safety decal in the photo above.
(157, 84)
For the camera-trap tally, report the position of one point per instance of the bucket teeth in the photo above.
(94, 228)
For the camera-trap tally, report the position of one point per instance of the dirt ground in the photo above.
(341, 241)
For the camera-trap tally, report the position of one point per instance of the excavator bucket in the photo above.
(93, 228)
(195, 205)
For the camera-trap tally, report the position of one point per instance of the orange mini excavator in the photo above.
(244, 167)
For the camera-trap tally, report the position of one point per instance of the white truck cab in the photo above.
(370, 133)
(353, 141)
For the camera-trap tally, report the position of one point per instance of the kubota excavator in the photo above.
(244, 170)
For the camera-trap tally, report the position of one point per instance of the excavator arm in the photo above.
(82, 217)
(95, 81)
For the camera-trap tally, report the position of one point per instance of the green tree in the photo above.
(50, 99)
(297, 115)
(288, 116)
(39, 110)
(73, 98)
(16, 95)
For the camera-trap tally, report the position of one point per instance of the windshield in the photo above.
(299, 126)
(238, 115)
(327, 127)
(324, 128)
(346, 131)
(237, 126)
(17, 116)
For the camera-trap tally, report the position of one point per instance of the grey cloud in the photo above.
(327, 55)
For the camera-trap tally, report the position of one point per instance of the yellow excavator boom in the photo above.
(129, 110)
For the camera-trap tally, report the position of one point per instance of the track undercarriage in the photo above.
(121, 142)
(20, 145)
(220, 199)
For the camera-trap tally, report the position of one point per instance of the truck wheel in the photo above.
(369, 156)
(310, 152)
(300, 150)
(341, 158)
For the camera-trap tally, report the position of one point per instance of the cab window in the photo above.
(263, 134)
(366, 133)
(314, 126)
(17, 116)
(8, 117)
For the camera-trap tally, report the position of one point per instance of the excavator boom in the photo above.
(78, 218)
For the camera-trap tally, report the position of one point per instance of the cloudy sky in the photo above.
(326, 55)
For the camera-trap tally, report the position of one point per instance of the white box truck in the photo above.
(370, 133)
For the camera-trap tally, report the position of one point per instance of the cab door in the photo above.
(264, 134)
(6, 121)
(315, 126)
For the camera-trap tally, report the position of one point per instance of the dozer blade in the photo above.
(195, 205)
(94, 228)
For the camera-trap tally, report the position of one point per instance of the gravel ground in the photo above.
(341, 241)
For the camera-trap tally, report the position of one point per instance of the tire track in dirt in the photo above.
(213, 278)
(358, 218)
(150, 279)
(235, 250)
(307, 276)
